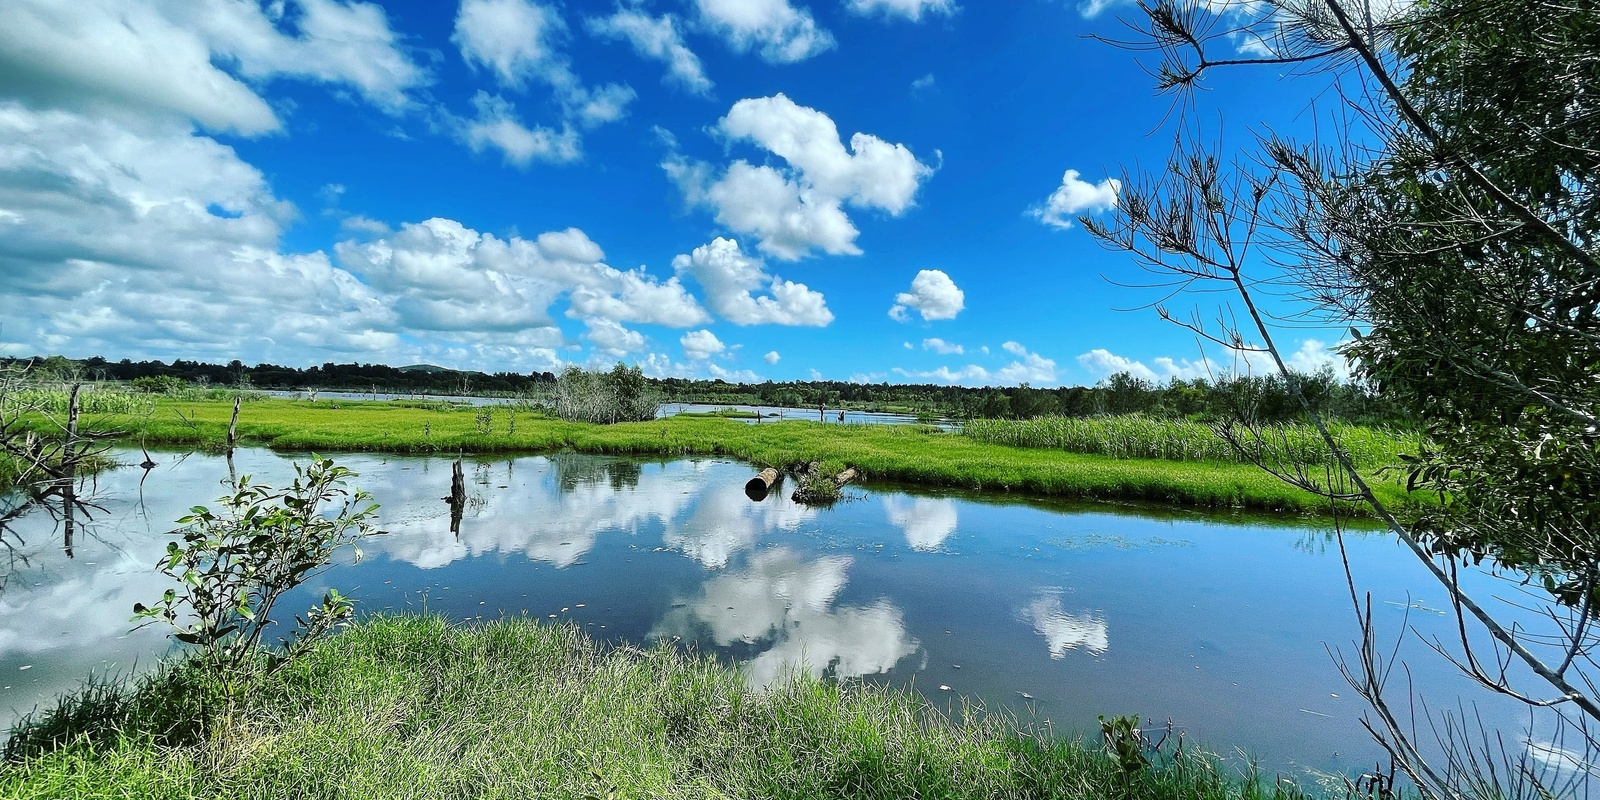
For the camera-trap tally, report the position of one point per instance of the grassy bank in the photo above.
(414, 707)
(1138, 436)
(912, 454)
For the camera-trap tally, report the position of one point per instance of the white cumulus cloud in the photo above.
(518, 42)
(497, 127)
(127, 236)
(779, 32)
(1103, 363)
(701, 345)
(513, 39)
(910, 9)
(941, 347)
(613, 339)
(657, 38)
(1029, 367)
(148, 58)
(728, 276)
(1315, 356)
(772, 357)
(1075, 196)
(932, 294)
(797, 210)
(442, 275)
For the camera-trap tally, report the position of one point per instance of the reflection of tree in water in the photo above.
(1319, 541)
(572, 471)
(67, 501)
(43, 450)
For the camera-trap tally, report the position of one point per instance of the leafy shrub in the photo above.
(233, 568)
(158, 384)
(621, 395)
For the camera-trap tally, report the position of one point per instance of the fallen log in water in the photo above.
(757, 488)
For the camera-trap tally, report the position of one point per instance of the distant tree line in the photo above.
(421, 379)
(1265, 398)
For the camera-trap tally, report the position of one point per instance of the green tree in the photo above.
(1460, 239)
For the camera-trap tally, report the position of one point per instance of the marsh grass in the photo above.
(1169, 439)
(914, 454)
(121, 399)
(415, 707)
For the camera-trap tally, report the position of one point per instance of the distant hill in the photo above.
(425, 368)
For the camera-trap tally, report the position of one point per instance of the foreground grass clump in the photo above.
(414, 707)
(912, 454)
(1139, 436)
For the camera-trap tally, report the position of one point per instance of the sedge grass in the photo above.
(414, 707)
(911, 454)
(1139, 436)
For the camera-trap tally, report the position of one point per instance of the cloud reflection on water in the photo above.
(555, 519)
(785, 602)
(927, 521)
(1064, 632)
(726, 522)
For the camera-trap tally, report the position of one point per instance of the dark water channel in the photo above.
(1058, 612)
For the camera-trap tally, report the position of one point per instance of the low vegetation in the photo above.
(1139, 436)
(1262, 397)
(621, 395)
(415, 707)
(913, 454)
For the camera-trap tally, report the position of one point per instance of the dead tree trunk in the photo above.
(457, 498)
(69, 468)
(233, 426)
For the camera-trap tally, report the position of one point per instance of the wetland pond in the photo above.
(1057, 612)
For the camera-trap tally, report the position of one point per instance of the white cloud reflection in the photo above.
(927, 521)
(1064, 632)
(555, 519)
(784, 601)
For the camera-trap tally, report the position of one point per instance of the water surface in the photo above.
(1059, 612)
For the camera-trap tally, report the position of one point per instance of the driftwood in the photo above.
(757, 488)
(850, 474)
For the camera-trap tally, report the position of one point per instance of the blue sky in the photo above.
(849, 189)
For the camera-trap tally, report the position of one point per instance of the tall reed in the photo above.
(1139, 436)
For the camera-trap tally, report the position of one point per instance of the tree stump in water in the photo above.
(233, 426)
(457, 498)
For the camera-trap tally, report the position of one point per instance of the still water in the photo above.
(767, 413)
(1058, 612)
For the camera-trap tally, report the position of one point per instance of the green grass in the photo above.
(414, 707)
(724, 413)
(1138, 436)
(911, 454)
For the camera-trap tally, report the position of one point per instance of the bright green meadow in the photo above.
(915, 454)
